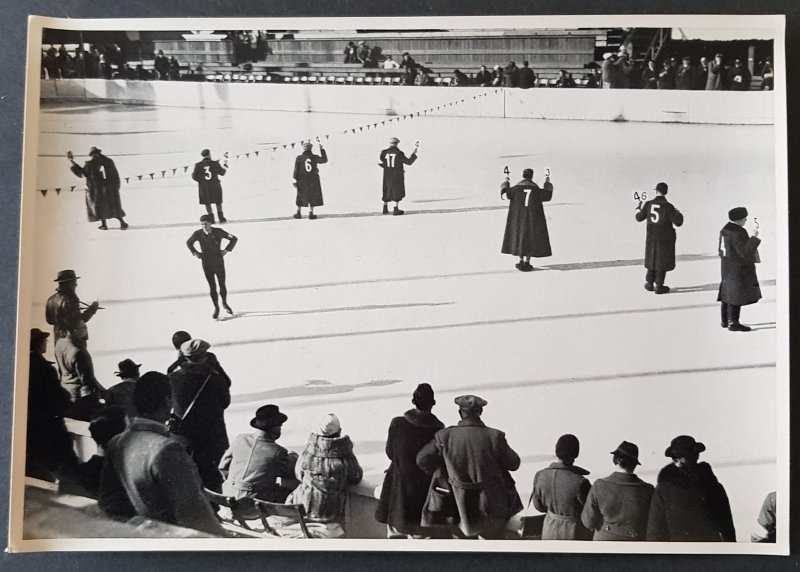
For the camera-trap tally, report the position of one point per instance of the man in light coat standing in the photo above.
(478, 460)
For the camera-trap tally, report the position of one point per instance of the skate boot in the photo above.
(297, 215)
(312, 216)
(737, 327)
(648, 286)
(661, 289)
(397, 211)
(215, 315)
(227, 308)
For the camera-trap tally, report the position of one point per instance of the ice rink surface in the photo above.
(350, 312)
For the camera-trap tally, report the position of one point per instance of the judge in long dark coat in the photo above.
(659, 249)
(392, 160)
(102, 188)
(738, 252)
(306, 179)
(526, 233)
(405, 486)
(207, 173)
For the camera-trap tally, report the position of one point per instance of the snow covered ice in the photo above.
(350, 312)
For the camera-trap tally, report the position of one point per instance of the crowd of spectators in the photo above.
(162, 445)
(106, 62)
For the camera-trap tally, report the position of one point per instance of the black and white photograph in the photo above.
(484, 284)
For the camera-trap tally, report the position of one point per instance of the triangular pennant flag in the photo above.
(276, 148)
(374, 125)
(256, 152)
(185, 168)
(368, 127)
(72, 188)
(173, 172)
(225, 154)
(58, 190)
(43, 191)
(292, 145)
(361, 129)
(284, 146)
(127, 179)
(237, 157)
(327, 137)
(163, 173)
(247, 155)
(151, 176)
(139, 177)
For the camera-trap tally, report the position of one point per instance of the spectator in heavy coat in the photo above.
(716, 74)
(406, 485)
(650, 76)
(483, 78)
(701, 74)
(477, 459)
(325, 469)
(739, 76)
(767, 519)
(527, 78)
(666, 77)
(497, 76)
(526, 232)
(306, 179)
(617, 505)
(63, 309)
(209, 190)
(121, 394)
(102, 188)
(767, 75)
(608, 69)
(560, 491)
(689, 503)
(178, 339)
(659, 249)
(77, 373)
(410, 67)
(738, 253)
(161, 65)
(48, 451)
(202, 427)
(511, 75)
(392, 160)
(686, 76)
(147, 473)
(254, 463)
(619, 79)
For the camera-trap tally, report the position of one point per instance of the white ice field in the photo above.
(348, 313)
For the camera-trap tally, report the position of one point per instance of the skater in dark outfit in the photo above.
(394, 186)
(306, 179)
(659, 250)
(526, 227)
(102, 188)
(211, 253)
(207, 173)
(738, 253)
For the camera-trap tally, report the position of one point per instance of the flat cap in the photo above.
(470, 402)
(194, 348)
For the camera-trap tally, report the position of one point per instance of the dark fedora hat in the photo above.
(94, 151)
(127, 367)
(684, 446)
(268, 416)
(662, 188)
(737, 214)
(629, 450)
(37, 336)
(66, 276)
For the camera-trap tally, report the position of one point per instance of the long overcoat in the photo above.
(392, 160)
(715, 80)
(405, 485)
(617, 507)
(102, 188)
(526, 227)
(306, 175)
(325, 469)
(207, 173)
(690, 506)
(738, 255)
(478, 460)
(659, 248)
(560, 491)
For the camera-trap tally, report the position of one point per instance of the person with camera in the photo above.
(201, 394)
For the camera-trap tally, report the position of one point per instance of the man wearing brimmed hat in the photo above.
(102, 188)
(209, 190)
(306, 179)
(392, 161)
(49, 448)
(618, 505)
(405, 485)
(738, 252)
(211, 254)
(122, 393)
(255, 466)
(689, 503)
(686, 76)
(659, 250)
(200, 397)
(63, 309)
(560, 491)
(477, 459)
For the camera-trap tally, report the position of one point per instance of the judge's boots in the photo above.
(397, 211)
(220, 216)
(737, 327)
(385, 209)
(661, 289)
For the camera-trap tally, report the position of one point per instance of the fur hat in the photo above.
(737, 214)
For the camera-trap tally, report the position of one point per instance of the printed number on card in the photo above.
(207, 169)
(390, 159)
(309, 166)
(655, 216)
